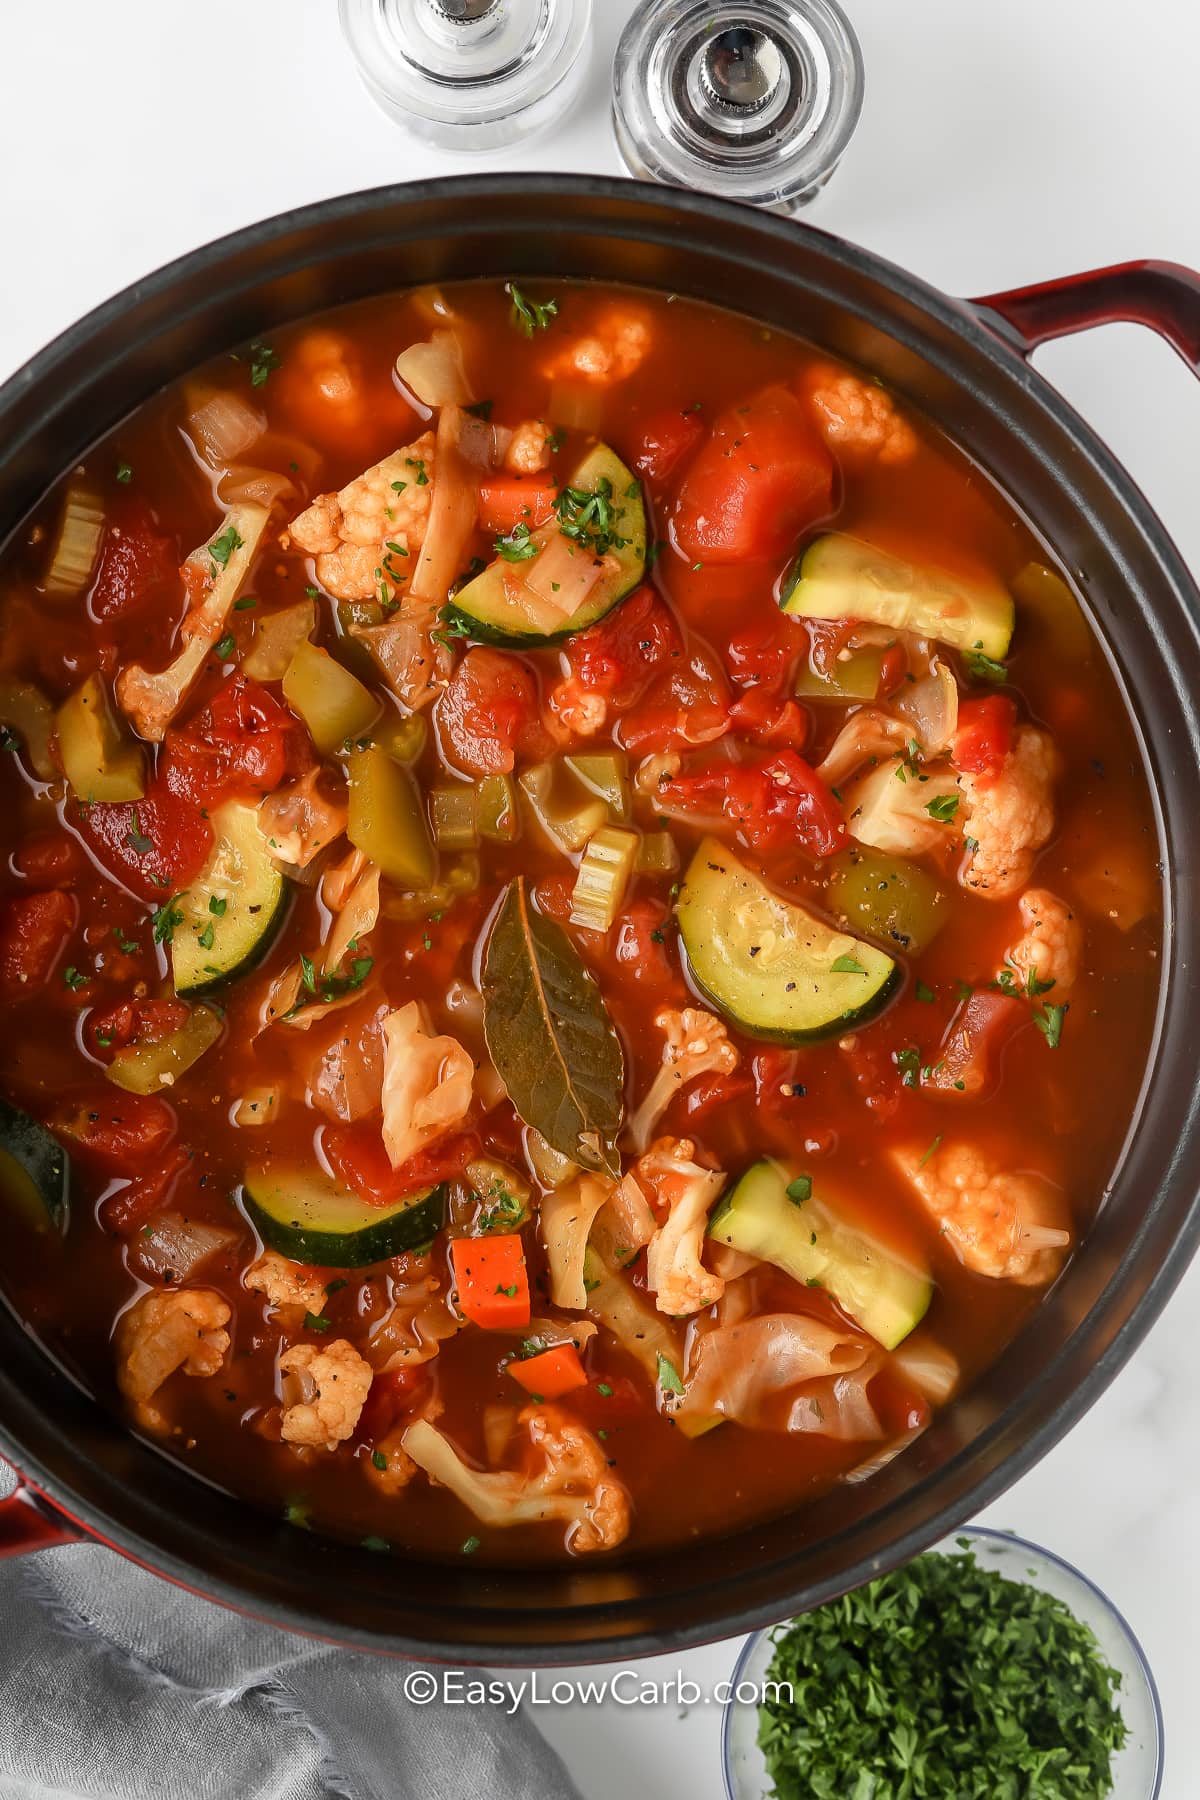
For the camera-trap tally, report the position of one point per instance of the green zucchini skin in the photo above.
(310, 1218)
(35, 1171)
(481, 609)
(210, 949)
(793, 994)
(812, 1241)
(842, 577)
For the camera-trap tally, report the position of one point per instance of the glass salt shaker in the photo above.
(751, 100)
(470, 74)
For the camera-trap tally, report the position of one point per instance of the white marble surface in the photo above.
(998, 144)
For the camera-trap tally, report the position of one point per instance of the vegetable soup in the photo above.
(579, 924)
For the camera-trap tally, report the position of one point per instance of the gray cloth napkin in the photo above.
(116, 1686)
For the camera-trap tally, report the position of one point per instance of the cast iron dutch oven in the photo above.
(966, 365)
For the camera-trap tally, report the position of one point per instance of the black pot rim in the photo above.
(1003, 355)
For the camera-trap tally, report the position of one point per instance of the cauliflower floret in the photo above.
(697, 1044)
(300, 820)
(427, 1084)
(868, 736)
(285, 1285)
(151, 698)
(1010, 815)
(998, 1223)
(577, 709)
(183, 1329)
(1048, 952)
(324, 1392)
(611, 353)
(389, 1467)
(674, 1272)
(572, 1483)
(353, 534)
(529, 448)
(860, 417)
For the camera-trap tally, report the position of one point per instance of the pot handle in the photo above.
(28, 1522)
(1163, 295)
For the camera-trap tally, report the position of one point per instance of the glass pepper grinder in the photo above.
(752, 101)
(470, 74)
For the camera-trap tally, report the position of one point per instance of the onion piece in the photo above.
(257, 1106)
(562, 575)
(932, 1369)
(77, 545)
(172, 1247)
(222, 426)
(931, 707)
(451, 515)
(433, 371)
(265, 486)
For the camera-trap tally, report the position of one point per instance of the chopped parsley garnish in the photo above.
(331, 984)
(847, 965)
(225, 647)
(262, 360)
(379, 1459)
(315, 1322)
(518, 546)
(604, 1390)
(984, 668)
(530, 315)
(136, 837)
(587, 518)
(74, 978)
(127, 945)
(924, 993)
(932, 1150)
(800, 1190)
(245, 603)
(943, 807)
(1050, 1023)
(470, 1546)
(223, 547)
(1006, 981)
(9, 740)
(217, 906)
(165, 921)
(509, 1292)
(668, 1375)
(417, 463)
(943, 1680)
(207, 935)
(908, 1062)
(124, 473)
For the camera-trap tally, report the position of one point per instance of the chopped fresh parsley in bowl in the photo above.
(986, 1669)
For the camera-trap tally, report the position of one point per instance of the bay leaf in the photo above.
(550, 1036)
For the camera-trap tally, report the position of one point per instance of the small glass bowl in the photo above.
(1137, 1769)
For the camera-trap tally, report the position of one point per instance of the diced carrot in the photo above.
(551, 1374)
(492, 1280)
(506, 501)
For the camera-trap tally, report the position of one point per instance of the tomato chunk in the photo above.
(138, 566)
(762, 478)
(493, 1282)
(152, 845)
(489, 714)
(120, 1132)
(50, 859)
(243, 741)
(135, 1022)
(985, 734)
(356, 1155)
(620, 655)
(506, 501)
(775, 803)
(666, 439)
(552, 1374)
(33, 934)
(686, 703)
(127, 1211)
(766, 719)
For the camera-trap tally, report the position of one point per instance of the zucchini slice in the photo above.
(840, 577)
(312, 1219)
(810, 1239)
(498, 607)
(35, 1171)
(232, 910)
(774, 968)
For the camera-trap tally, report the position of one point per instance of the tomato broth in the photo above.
(647, 710)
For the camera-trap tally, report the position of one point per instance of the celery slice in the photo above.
(558, 808)
(603, 878)
(658, 854)
(606, 775)
(496, 811)
(452, 811)
(333, 703)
